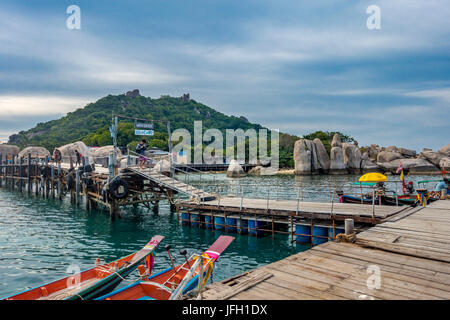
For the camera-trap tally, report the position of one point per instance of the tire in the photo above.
(115, 186)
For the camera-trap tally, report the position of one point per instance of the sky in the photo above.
(296, 66)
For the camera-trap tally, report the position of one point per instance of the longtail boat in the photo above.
(164, 284)
(94, 282)
(406, 199)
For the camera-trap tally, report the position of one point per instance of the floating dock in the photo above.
(405, 257)
(305, 222)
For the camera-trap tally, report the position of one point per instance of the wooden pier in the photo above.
(98, 187)
(405, 257)
(317, 221)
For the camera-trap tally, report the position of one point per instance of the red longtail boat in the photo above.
(91, 283)
(164, 284)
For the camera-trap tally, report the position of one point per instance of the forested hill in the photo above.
(90, 123)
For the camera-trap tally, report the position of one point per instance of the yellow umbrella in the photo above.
(373, 177)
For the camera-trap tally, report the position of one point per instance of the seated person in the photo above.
(443, 185)
(410, 187)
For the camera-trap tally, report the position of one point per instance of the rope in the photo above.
(342, 237)
(63, 295)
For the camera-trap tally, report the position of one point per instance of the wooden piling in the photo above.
(13, 171)
(29, 173)
(77, 187)
(1, 170)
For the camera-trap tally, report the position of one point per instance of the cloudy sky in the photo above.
(294, 65)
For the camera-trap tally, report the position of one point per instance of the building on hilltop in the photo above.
(186, 97)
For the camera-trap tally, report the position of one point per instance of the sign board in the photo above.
(143, 132)
(142, 125)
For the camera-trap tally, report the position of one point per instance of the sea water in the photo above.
(42, 240)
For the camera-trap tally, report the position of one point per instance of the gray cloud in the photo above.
(296, 66)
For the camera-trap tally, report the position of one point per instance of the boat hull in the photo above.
(91, 283)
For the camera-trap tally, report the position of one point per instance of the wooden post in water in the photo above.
(29, 173)
(36, 185)
(13, 171)
(7, 171)
(20, 174)
(52, 185)
(113, 209)
(1, 170)
(77, 187)
(59, 181)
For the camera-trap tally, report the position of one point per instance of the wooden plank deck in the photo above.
(289, 208)
(412, 254)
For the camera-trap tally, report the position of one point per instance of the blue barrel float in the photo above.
(219, 223)
(252, 225)
(320, 234)
(231, 224)
(185, 218)
(305, 230)
(208, 222)
(337, 230)
(243, 226)
(195, 219)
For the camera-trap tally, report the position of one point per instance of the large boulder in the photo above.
(407, 153)
(444, 164)
(368, 165)
(365, 155)
(101, 155)
(337, 165)
(336, 142)
(68, 151)
(323, 158)
(388, 156)
(445, 150)
(305, 157)
(36, 152)
(255, 170)
(374, 150)
(431, 156)
(352, 157)
(391, 149)
(235, 170)
(7, 150)
(413, 166)
(262, 171)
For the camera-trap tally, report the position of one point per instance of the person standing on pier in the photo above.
(140, 149)
(79, 155)
(57, 156)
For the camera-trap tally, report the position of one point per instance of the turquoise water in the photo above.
(40, 238)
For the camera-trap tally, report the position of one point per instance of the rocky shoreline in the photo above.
(311, 158)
